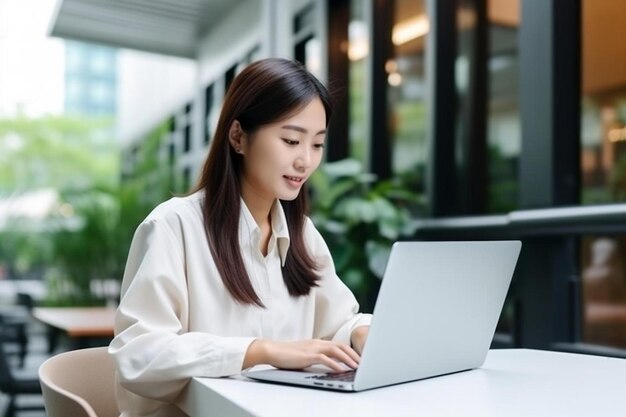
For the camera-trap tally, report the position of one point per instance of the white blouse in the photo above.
(176, 319)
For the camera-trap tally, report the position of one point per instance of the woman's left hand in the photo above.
(358, 338)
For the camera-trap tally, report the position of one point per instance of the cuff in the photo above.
(345, 332)
(235, 349)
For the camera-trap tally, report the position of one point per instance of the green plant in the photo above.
(85, 245)
(360, 219)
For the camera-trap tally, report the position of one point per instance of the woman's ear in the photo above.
(237, 137)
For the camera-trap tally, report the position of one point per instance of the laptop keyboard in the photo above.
(347, 376)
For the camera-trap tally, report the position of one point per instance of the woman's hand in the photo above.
(301, 354)
(358, 338)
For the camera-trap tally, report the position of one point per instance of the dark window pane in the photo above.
(604, 290)
(603, 112)
(503, 116)
(406, 93)
(603, 168)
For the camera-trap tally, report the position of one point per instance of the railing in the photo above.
(546, 292)
(558, 221)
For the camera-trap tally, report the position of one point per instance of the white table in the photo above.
(511, 383)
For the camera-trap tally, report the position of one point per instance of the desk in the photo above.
(77, 322)
(511, 383)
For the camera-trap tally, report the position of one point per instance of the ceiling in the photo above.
(168, 27)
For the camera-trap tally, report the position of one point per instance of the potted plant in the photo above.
(360, 219)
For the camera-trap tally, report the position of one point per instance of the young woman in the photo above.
(235, 274)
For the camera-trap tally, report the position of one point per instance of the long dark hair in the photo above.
(265, 92)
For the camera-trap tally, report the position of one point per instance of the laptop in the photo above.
(436, 314)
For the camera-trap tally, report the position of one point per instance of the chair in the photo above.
(79, 383)
(13, 331)
(14, 325)
(13, 385)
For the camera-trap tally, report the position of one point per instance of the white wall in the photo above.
(151, 88)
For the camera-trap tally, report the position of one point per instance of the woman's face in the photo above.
(280, 157)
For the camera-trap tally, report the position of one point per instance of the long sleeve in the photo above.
(154, 350)
(336, 309)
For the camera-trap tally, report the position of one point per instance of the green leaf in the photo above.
(377, 255)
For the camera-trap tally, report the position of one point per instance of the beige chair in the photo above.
(79, 383)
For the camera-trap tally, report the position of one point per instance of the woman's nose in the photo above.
(303, 159)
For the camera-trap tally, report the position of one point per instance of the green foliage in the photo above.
(503, 187)
(617, 180)
(85, 245)
(360, 219)
(149, 185)
(78, 158)
(57, 152)
(88, 235)
(22, 251)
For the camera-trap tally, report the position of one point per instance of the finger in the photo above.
(331, 363)
(337, 353)
(353, 353)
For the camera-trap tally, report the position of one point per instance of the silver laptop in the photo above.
(436, 314)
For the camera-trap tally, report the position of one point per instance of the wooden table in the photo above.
(77, 323)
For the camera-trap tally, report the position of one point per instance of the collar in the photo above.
(250, 232)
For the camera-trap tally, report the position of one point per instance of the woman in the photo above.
(235, 274)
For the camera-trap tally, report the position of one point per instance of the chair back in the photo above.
(79, 383)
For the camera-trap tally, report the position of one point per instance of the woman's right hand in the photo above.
(301, 354)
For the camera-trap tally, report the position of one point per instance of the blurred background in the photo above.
(455, 120)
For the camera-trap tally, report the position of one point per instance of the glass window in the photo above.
(101, 61)
(406, 93)
(74, 57)
(208, 110)
(100, 93)
(313, 56)
(604, 290)
(73, 90)
(503, 116)
(359, 90)
(229, 77)
(603, 168)
(307, 46)
(603, 112)
(304, 20)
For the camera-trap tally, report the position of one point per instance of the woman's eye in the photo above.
(319, 145)
(290, 142)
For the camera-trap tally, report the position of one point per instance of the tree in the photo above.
(58, 152)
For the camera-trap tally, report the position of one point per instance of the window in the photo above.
(603, 168)
(307, 47)
(406, 93)
(101, 61)
(208, 109)
(359, 56)
(503, 116)
(229, 77)
(603, 112)
(186, 117)
(100, 93)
